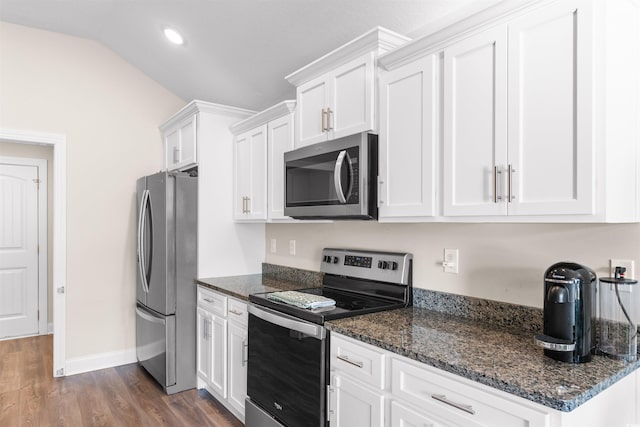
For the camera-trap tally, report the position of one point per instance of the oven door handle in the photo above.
(289, 322)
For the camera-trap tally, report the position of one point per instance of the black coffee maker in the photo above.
(569, 313)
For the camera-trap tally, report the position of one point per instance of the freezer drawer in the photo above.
(156, 345)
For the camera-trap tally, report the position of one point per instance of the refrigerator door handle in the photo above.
(144, 204)
(148, 317)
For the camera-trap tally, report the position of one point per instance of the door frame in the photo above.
(41, 164)
(59, 143)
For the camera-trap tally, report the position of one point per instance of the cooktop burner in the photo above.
(360, 282)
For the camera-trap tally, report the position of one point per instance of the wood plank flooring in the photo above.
(121, 396)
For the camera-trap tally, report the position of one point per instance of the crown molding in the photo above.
(197, 106)
(263, 117)
(428, 44)
(378, 40)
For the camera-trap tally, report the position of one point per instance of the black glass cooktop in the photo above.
(347, 304)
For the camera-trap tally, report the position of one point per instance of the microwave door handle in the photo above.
(337, 181)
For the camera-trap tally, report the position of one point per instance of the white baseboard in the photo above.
(95, 362)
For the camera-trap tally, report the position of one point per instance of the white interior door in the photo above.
(18, 250)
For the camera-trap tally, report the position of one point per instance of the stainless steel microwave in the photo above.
(333, 180)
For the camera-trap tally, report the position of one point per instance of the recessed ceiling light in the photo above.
(173, 36)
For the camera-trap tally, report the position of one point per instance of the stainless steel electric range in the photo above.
(288, 345)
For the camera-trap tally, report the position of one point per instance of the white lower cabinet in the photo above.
(353, 404)
(222, 353)
(374, 387)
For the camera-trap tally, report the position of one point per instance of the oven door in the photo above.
(286, 371)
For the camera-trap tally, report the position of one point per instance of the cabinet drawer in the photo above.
(437, 393)
(361, 361)
(237, 311)
(212, 301)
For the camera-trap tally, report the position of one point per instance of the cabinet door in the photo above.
(355, 405)
(408, 140)
(550, 110)
(312, 103)
(351, 98)
(475, 146)
(280, 139)
(251, 175)
(204, 345)
(402, 416)
(218, 378)
(171, 148)
(237, 342)
(181, 145)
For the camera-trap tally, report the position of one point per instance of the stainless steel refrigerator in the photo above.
(165, 285)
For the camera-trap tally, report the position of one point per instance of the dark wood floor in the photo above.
(121, 396)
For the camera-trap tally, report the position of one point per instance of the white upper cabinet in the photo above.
(537, 120)
(336, 94)
(475, 124)
(529, 152)
(337, 104)
(408, 141)
(260, 143)
(250, 154)
(180, 144)
(550, 109)
(280, 139)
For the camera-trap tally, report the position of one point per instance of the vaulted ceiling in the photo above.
(237, 52)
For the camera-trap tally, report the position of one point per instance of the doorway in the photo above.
(23, 244)
(59, 233)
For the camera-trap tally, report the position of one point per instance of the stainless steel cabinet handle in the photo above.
(442, 398)
(248, 204)
(245, 352)
(496, 178)
(176, 155)
(330, 409)
(351, 362)
(324, 128)
(329, 113)
(236, 312)
(511, 171)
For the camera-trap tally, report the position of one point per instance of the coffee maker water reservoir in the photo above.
(618, 317)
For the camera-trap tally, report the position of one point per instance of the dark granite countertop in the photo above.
(242, 286)
(501, 358)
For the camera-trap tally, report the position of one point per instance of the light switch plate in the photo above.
(274, 246)
(292, 247)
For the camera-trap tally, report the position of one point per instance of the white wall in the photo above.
(502, 262)
(109, 112)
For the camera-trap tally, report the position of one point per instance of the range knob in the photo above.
(383, 265)
(335, 259)
(394, 265)
(326, 258)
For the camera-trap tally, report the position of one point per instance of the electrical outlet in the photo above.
(292, 247)
(274, 246)
(450, 263)
(627, 263)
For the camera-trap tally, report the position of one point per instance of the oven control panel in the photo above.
(383, 266)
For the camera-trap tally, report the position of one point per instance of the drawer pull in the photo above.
(236, 312)
(351, 362)
(442, 398)
(208, 300)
